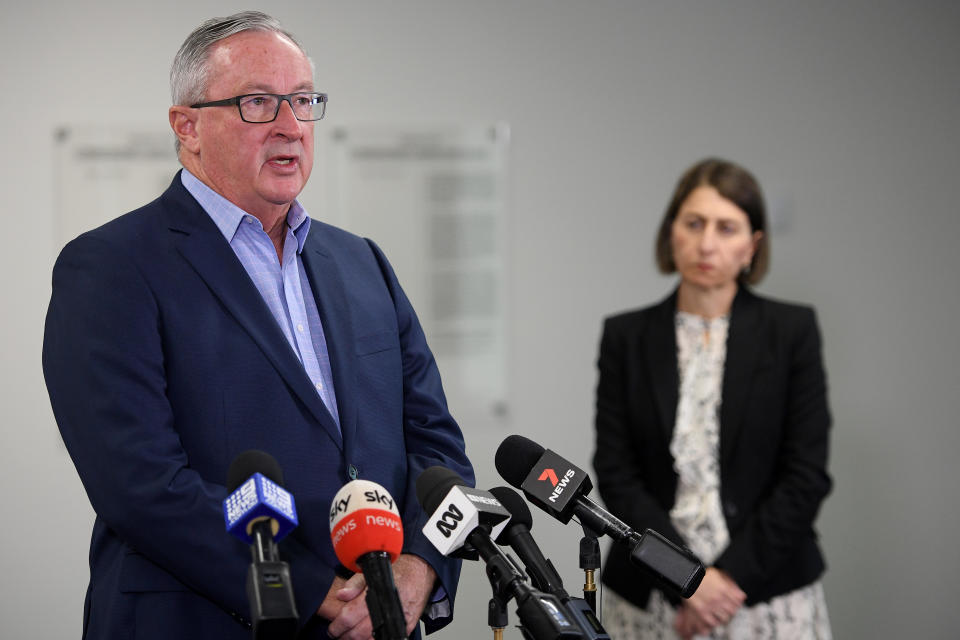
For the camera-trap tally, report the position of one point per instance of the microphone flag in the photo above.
(259, 498)
(554, 483)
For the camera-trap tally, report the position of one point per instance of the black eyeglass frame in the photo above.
(226, 102)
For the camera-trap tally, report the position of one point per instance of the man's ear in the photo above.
(183, 121)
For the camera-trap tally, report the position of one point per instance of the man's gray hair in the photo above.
(188, 75)
(189, 72)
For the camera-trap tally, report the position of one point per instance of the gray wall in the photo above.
(846, 112)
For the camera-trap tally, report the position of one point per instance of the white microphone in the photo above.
(463, 523)
(457, 512)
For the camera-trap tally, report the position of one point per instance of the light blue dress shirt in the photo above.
(286, 290)
(284, 286)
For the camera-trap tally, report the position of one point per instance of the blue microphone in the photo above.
(258, 498)
(260, 512)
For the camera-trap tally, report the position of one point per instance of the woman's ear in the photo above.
(754, 245)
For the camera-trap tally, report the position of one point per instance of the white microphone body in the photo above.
(463, 523)
(461, 511)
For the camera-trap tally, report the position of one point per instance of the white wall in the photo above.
(847, 114)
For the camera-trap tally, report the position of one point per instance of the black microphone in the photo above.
(462, 523)
(560, 488)
(517, 535)
(542, 573)
(260, 512)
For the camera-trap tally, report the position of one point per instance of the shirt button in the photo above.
(352, 472)
(300, 328)
(319, 386)
(248, 220)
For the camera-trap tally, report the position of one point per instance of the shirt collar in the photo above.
(228, 216)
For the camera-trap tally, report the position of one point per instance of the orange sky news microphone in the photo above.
(367, 535)
(260, 512)
(560, 488)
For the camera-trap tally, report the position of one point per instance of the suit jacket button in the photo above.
(730, 509)
(352, 472)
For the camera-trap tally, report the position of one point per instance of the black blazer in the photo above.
(774, 423)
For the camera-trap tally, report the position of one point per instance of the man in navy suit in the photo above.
(220, 318)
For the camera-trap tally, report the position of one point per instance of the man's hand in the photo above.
(415, 579)
(716, 600)
(342, 593)
(347, 610)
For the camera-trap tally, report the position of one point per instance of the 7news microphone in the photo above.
(260, 512)
(560, 488)
(463, 523)
(542, 573)
(367, 535)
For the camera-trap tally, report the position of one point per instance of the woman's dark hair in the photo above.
(737, 185)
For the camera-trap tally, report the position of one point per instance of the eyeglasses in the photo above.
(264, 107)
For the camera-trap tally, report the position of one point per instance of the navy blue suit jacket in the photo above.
(163, 363)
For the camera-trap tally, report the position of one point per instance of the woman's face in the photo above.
(711, 239)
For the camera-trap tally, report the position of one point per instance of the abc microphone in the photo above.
(367, 536)
(260, 512)
(463, 523)
(560, 488)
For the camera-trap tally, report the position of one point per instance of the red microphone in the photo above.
(367, 536)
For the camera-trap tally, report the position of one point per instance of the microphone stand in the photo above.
(590, 562)
(497, 615)
(541, 614)
(269, 589)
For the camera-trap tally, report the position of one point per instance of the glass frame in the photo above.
(226, 102)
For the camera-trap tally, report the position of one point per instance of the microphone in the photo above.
(517, 535)
(560, 488)
(465, 510)
(463, 523)
(367, 536)
(542, 573)
(259, 511)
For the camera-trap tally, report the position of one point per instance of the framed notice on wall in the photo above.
(435, 200)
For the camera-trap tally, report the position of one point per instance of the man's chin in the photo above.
(283, 193)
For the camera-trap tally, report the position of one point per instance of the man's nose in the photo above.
(286, 122)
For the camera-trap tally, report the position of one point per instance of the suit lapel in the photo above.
(743, 351)
(327, 283)
(199, 241)
(659, 344)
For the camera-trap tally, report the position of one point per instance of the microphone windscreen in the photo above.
(434, 484)
(515, 457)
(250, 462)
(515, 504)
(364, 518)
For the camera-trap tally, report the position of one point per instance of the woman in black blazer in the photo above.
(712, 428)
